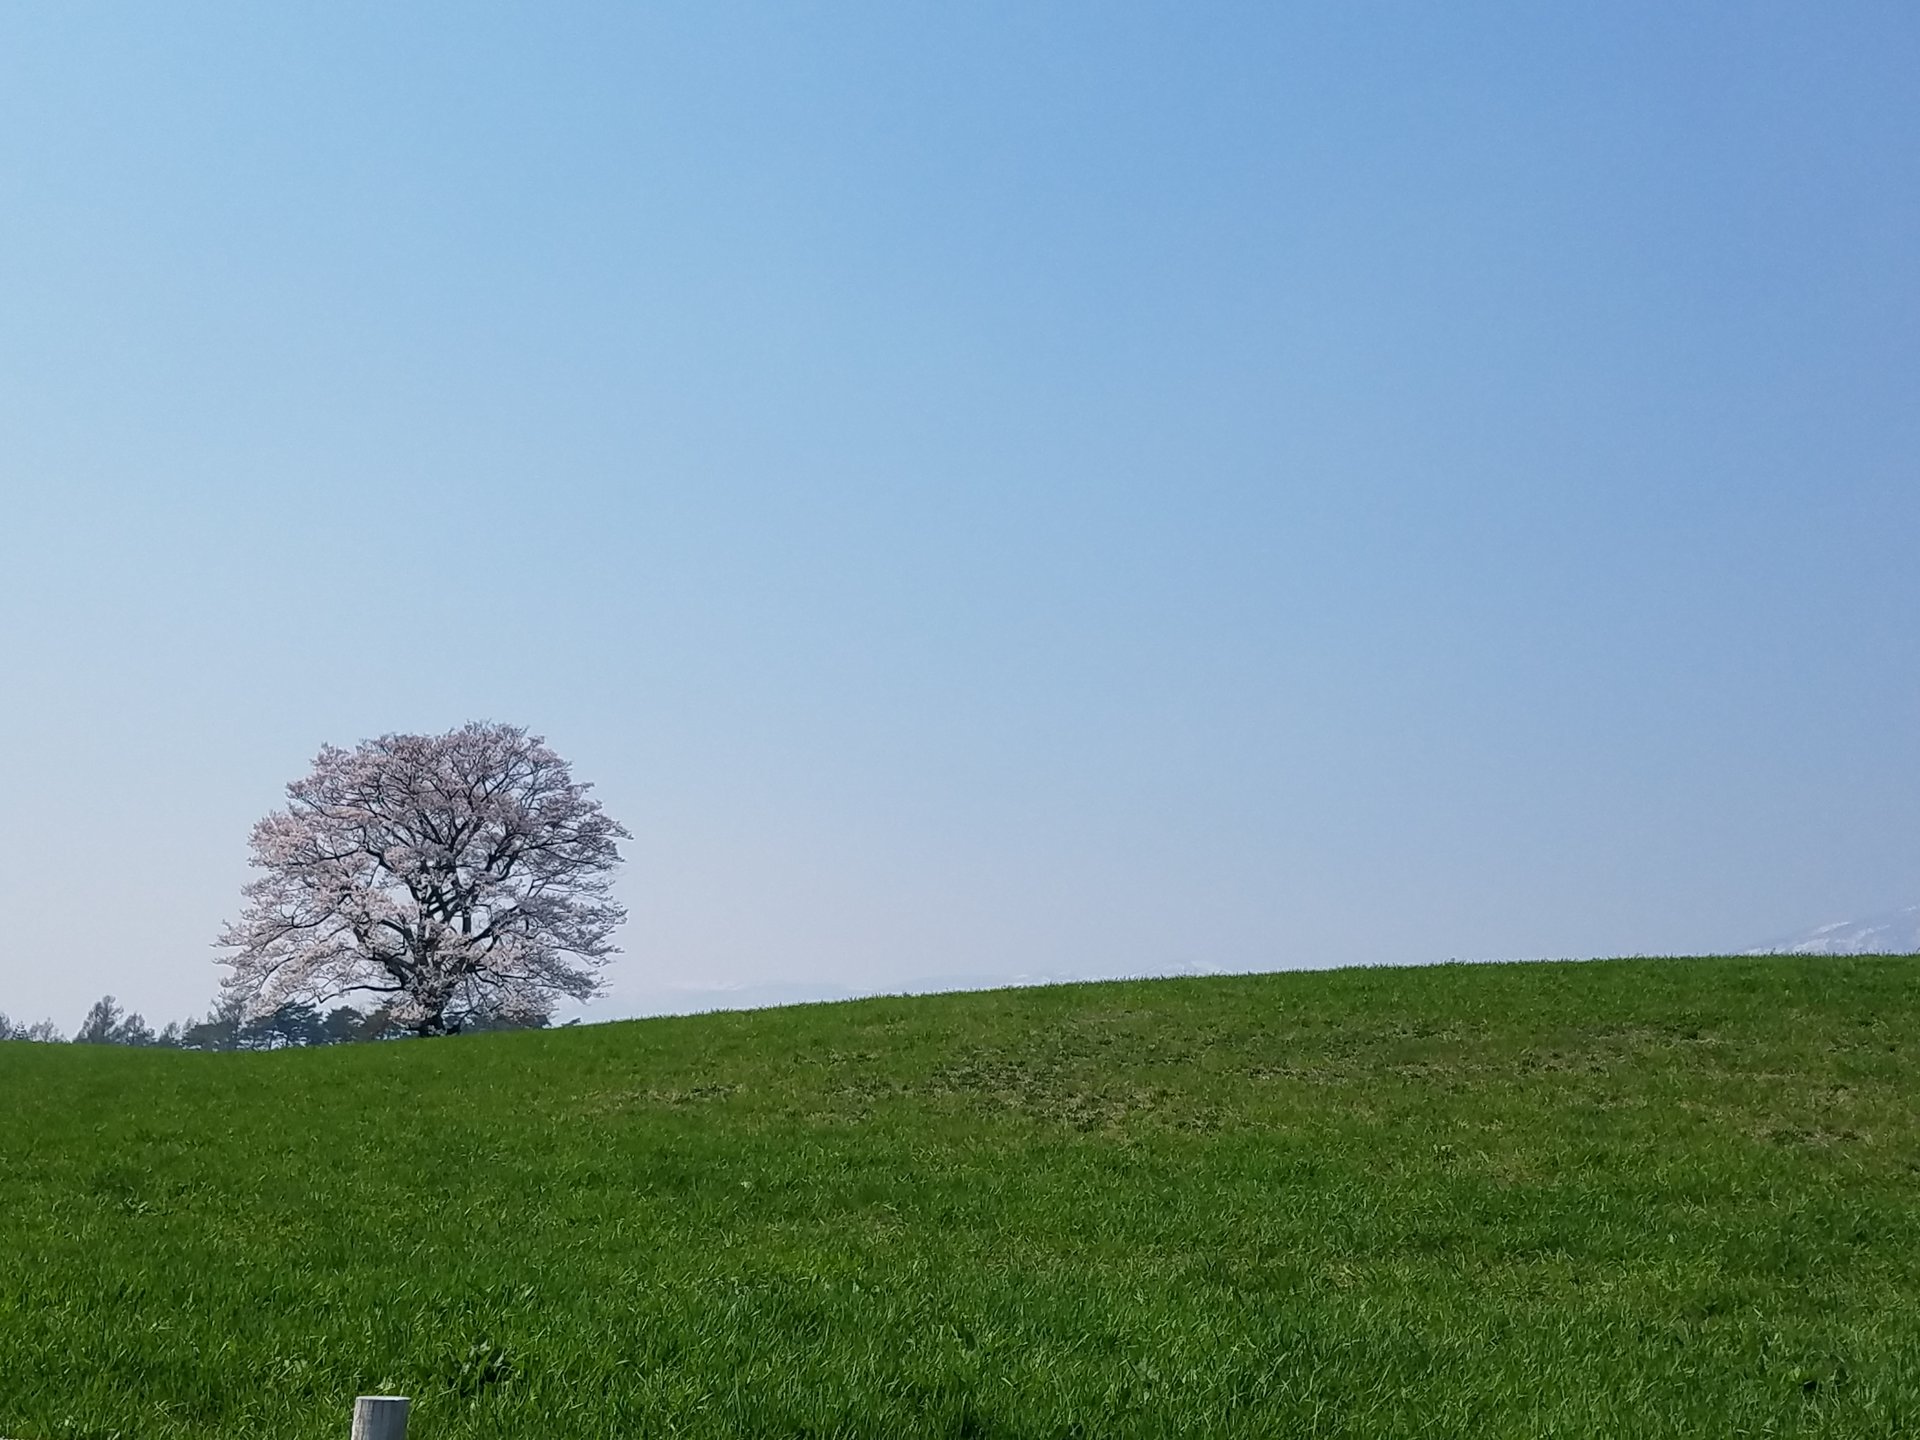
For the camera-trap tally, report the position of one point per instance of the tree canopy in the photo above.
(459, 880)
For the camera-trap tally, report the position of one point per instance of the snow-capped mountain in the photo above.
(1895, 933)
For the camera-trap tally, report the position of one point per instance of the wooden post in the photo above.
(380, 1417)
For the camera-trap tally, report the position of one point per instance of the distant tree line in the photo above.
(226, 1027)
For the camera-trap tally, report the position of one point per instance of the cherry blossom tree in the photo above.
(460, 879)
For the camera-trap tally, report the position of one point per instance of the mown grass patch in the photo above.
(1624, 1198)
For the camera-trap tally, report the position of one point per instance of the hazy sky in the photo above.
(980, 488)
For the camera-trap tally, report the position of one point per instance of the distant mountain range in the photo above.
(694, 999)
(1897, 932)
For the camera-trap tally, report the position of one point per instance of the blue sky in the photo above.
(981, 489)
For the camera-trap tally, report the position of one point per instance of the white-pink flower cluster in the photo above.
(452, 878)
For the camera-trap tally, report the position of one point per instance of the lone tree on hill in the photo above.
(461, 878)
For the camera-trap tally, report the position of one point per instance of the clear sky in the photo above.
(981, 489)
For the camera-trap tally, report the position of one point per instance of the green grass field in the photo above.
(1631, 1198)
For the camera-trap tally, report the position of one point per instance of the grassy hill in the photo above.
(1628, 1198)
